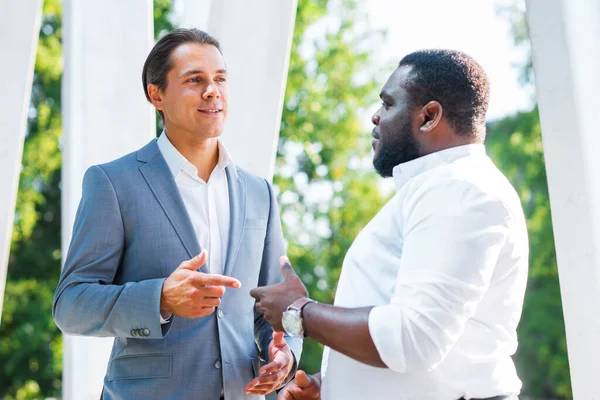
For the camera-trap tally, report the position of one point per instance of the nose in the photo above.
(375, 118)
(211, 92)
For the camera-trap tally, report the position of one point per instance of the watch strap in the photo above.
(300, 303)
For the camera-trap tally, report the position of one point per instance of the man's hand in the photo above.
(305, 387)
(191, 294)
(273, 300)
(276, 371)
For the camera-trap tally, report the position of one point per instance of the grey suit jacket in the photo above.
(131, 231)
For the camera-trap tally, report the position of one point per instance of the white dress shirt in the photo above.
(445, 264)
(207, 203)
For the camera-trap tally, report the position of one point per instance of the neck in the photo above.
(448, 144)
(203, 153)
(447, 139)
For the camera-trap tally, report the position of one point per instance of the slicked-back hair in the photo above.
(453, 79)
(159, 63)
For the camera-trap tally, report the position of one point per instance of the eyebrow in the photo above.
(199, 71)
(385, 94)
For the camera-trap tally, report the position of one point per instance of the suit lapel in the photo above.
(161, 182)
(237, 206)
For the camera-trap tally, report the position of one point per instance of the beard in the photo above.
(396, 148)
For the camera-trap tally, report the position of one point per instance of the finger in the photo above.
(303, 380)
(265, 389)
(210, 302)
(272, 367)
(219, 280)
(204, 311)
(278, 340)
(267, 382)
(211, 291)
(291, 392)
(195, 262)
(259, 308)
(256, 293)
(287, 393)
(287, 271)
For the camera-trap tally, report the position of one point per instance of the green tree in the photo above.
(325, 194)
(515, 144)
(30, 342)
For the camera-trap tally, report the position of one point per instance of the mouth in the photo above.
(375, 139)
(211, 111)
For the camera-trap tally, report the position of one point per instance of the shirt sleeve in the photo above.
(453, 236)
(165, 317)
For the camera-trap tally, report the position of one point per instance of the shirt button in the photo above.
(220, 313)
(146, 332)
(218, 364)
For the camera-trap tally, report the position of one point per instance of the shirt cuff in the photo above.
(165, 317)
(383, 335)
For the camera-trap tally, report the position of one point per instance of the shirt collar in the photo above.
(406, 171)
(176, 161)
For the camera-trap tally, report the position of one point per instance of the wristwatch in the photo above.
(292, 317)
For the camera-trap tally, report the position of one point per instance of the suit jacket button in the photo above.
(218, 364)
(220, 313)
(146, 332)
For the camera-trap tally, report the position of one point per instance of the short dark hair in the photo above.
(454, 80)
(159, 63)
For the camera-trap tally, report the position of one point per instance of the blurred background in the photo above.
(342, 53)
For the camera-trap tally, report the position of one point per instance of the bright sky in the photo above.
(472, 26)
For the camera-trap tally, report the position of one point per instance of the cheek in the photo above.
(177, 101)
(190, 95)
(224, 100)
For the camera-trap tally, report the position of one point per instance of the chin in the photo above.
(209, 132)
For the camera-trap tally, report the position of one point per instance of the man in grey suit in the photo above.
(135, 270)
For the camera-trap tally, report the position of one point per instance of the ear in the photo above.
(431, 115)
(156, 96)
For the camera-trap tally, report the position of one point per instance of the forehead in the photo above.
(395, 85)
(193, 56)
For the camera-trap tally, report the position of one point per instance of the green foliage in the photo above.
(30, 342)
(162, 23)
(325, 197)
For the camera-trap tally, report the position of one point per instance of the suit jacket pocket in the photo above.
(255, 223)
(141, 366)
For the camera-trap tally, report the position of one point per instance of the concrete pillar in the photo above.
(256, 38)
(565, 37)
(19, 32)
(105, 116)
(191, 13)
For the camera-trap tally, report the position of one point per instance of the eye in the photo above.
(221, 79)
(385, 105)
(194, 80)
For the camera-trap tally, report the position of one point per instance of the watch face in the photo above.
(292, 323)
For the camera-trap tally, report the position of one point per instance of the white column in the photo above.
(191, 13)
(565, 36)
(105, 116)
(19, 32)
(256, 37)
